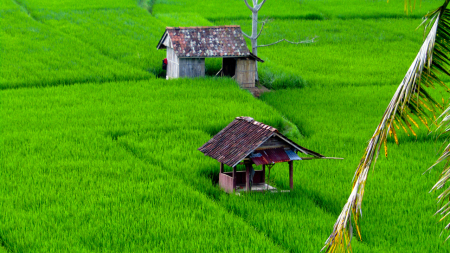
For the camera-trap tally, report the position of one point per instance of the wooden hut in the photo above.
(187, 48)
(246, 141)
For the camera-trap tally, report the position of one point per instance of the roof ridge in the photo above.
(257, 123)
(203, 27)
(208, 41)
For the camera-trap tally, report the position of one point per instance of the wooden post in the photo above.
(291, 174)
(234, 178)
(221, 167)
(263, 173)
(247, 177)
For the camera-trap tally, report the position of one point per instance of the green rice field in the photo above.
(99, 151)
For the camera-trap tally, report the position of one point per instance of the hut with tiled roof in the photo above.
(187, 48)
(249, 142)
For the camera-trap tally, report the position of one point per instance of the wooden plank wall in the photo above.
(172, 64)
(226, 182)
(245, 73)
(192, 67)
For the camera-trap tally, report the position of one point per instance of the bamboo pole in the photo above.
(247, 177)
(291, 174)
(234, 178)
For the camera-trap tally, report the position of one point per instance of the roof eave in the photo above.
(222, 56)
(298, 147)
(255, 57)
(161, 41)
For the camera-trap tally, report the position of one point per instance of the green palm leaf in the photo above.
(410, 98)
(442, 52)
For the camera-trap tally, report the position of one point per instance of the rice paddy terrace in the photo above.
(99, 151)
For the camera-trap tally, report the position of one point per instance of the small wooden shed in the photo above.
(246, 141)
(187, 48)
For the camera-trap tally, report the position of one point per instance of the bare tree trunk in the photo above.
(255, 34)
(254, 38)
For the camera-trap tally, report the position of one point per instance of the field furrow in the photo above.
(127, 35)
(33, 54)
(64, 145)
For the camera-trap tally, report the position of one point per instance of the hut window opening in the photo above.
(212, 66)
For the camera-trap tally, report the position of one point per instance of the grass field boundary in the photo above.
(26, 10)
(65, 83)
(319, 16)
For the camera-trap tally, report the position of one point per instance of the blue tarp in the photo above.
(292, 155)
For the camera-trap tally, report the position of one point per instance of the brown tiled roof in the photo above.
(240, 138)
(207, 41)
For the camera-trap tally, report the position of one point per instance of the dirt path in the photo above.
(257, 91)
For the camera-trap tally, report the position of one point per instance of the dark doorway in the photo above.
(229, 67)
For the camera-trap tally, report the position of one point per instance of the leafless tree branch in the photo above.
(246, 35)
(248, 6)
(257, 7)
(263, 23)
(300, 42)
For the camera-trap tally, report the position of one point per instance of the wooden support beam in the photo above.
(313, 158)
(234, 178)
(272, 147)
(221, 167)
(263, 179)
(291, 174)
(247, 177)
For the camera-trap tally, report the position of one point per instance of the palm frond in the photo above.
(442, 53)
(410, 97)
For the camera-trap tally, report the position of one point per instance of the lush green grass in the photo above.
(182, 19)
(34, 54)
(127, 35)
(125, 155)
(7, 4)
(338, 121)
(76, 4)
(43, 45)
(75, 182)
(113, 166)
(305, 9)
(129, 165)
(357, 52)
(359, 43)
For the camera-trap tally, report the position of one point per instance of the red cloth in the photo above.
(165, 61)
